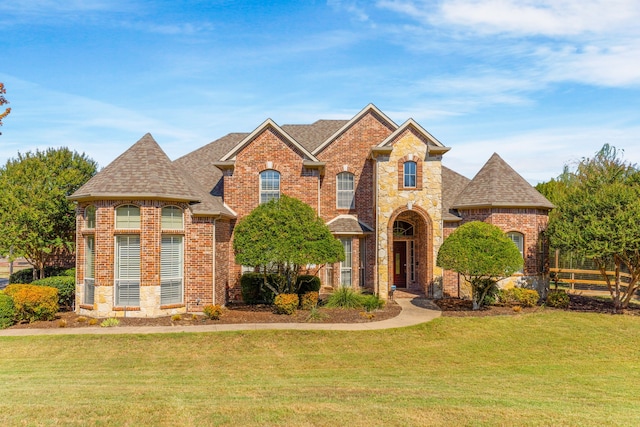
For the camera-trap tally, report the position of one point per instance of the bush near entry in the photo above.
(66, 286)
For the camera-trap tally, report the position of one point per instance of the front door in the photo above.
(400, 264)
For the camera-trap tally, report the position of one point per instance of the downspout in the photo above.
(376, 282)
(213, 269)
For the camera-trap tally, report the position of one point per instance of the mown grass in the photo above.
(549, 368)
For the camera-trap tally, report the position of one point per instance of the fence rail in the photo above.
(582, 277)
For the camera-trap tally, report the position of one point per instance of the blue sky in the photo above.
(541, 82)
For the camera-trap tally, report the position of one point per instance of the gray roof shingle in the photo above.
(498, 185)
(452, 185)
(311, 136)
(348, 224)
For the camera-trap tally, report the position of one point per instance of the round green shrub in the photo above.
(518, 296)
(557, 298)
(66, 286)
(307, 283)
(7, 311)
(253, 289)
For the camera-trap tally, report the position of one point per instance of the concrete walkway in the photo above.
(414, 311)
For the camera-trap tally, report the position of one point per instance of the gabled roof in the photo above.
(143, 172)
(348, 225)
(452, 185)
(498, 185)
(366, 110)
(435, 146)
(311, 136)
(267, 124)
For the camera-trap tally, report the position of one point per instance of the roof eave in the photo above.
(502, 205)
(132, 196)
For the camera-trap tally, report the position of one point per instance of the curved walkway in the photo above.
(414, 311)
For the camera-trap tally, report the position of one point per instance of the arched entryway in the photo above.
(410, 249)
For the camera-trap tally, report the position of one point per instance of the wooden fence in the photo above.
(590, 279)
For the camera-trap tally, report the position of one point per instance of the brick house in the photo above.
(154, 236)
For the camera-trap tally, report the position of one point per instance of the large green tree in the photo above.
(36, 219)
(287, 235)
(3, 101)
(482, 254)
(599, 219)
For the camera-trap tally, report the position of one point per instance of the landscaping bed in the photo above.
(233, 314)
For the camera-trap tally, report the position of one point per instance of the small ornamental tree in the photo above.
(482, 254)
(284, 235)
(599, 219)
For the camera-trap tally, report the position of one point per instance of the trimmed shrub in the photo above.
(66, 286)
(307, 283)
(344, 297)
(519, 296)
(372, 302)
(253, 289)
(7, 311)
(26, 275)
(309, 300)
(71, 272)
(285, 303)
(34, 302)
(557, 298)
(212, 312)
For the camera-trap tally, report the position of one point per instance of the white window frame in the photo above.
(345, 190)
(410, 174)
(127, 270)
(518, 239)
(172, 269)
(346, 266)
(89, 269)
(126, 219)
(269, 186)
(172, 218)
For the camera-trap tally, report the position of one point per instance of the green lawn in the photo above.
(549, 368)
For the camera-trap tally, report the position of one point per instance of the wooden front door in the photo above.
(400, 264)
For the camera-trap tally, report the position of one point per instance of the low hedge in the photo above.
(26, 275)
(286, 303)
(307, 283)
(7, 311)
(253, 289)
(66, 286)
(33, 302)
(518, 296)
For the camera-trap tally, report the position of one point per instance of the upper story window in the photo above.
(345, 191)
(269, 185)
(128, 216)
(172, 218)
(409, 174)
(90, 217)
(518, 240)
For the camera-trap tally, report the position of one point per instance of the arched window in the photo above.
(128, 217)
(172, 218)
(90, 217)
(269, 185)
(518, 239)
(409, 171)
(402, 229)
(345, 191)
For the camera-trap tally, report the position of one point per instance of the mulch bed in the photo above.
(580, 303)
(233, 314)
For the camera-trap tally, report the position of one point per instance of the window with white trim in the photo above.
(171, 269)
(89, 269)
(518, 239)
(90, 217)
(409, 174)
(172, 218)
(269, 185)
(127, 270)
(346, 265)
(127, 217)
(345, 191)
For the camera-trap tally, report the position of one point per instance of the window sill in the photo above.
(86, 306)
(170, 306)
(127, 308)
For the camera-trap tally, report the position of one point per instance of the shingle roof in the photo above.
(498, 185)
(452, 185)
(199, 162)
(348, 224)
(311, 136)
(143, 171)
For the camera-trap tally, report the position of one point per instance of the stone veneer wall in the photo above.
(198, 260)
(392, 201)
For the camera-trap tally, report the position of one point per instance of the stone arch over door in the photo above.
(414, 251)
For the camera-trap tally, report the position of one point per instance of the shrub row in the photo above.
(254, 290)
(66, 286)
(26, 275)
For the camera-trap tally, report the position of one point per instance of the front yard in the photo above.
(544, 368)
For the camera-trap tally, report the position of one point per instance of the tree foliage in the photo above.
(599, 219)
(3, 101)
(284, 234)
(36, 219)
(482, 254)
